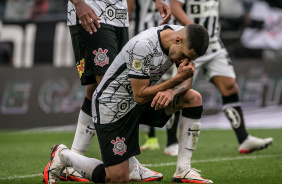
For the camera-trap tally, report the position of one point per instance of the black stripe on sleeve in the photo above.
(138, 76)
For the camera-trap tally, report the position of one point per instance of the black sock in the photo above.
(193, 112)
(86, 106)
(151, 132)
(99, 174)
(172, 130)
(233, 112)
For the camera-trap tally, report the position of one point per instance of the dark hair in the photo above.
(198, 38)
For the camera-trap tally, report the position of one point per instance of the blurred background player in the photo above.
(217, 67)
(98, 34)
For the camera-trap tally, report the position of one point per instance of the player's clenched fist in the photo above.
(186, 69)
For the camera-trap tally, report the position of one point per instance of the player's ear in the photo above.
(178, 39)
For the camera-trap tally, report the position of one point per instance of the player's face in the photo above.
(180, 51)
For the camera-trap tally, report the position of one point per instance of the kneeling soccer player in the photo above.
(129, 95)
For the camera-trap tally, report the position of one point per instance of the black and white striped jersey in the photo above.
(112, 12)
(143, 57)
(147, 15)
(205, 13)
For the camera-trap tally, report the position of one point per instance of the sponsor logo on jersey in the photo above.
(101, 58)
(113, 13)
(123, 106)
(203, 9)
(156, 53)
(137, 64)
(129, 89)
(119, 146)
(80, 67)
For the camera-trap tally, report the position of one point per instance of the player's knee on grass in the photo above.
(117, 178)
(117, 173)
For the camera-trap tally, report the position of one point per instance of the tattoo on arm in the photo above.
(170, 91)
(178, 88)
(181, 88)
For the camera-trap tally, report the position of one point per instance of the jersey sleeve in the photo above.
(139, 60)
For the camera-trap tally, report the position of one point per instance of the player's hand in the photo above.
(164, 10)
(162, 99)
(186, 70)
(87, 16)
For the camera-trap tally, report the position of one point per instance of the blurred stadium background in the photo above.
(39, 83)
(40, 90)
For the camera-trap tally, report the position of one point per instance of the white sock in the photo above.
(84, 134)
(132, 162)
(84, 165)
(189, 131)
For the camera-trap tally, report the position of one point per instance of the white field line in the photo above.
(215, 160)
(167, 164)
(19, 177)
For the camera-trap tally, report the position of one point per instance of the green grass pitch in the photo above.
(25, 155)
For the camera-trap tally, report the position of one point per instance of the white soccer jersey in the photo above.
(143, 57)
(112, 12)
(147, 15)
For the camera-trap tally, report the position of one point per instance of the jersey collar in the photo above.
(166, 52)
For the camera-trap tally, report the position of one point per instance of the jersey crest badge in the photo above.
(137, 64)
(119, 146)
(101, 58)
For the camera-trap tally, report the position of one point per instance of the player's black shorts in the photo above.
(94, 53)
(120, 140)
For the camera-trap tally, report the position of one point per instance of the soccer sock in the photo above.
(171, 130)
(233, 112)
(151, 132)
(132, 162)
(189, 131)
(85, 130)
(90, 168)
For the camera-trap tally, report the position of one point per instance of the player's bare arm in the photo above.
(164, 10)
(87, 16)
(130, 7)
(178, 12)
(144, 93)
(163, 98)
